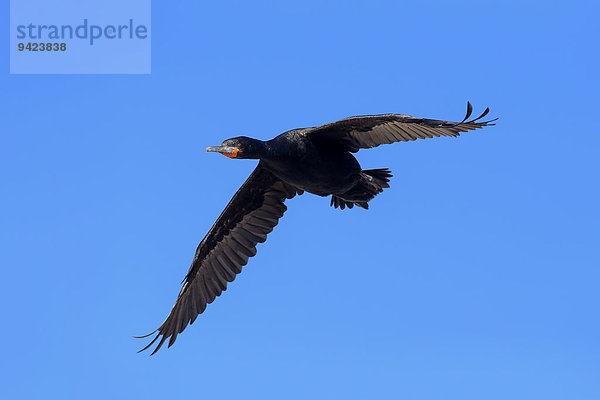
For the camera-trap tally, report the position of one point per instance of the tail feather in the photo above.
(372, 182)
(380, 175)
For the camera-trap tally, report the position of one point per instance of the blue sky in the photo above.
(475, 275)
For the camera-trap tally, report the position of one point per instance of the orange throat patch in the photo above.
(232, 154)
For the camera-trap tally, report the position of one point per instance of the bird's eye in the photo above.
(234, 144)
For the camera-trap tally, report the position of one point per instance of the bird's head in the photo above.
(239, 147)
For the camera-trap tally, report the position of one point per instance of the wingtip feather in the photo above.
(145, 336)
(469, 111)
(151, 343)
(159, 344)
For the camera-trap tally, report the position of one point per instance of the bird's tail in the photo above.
(371, 183)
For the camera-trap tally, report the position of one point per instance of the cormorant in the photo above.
(317, 160)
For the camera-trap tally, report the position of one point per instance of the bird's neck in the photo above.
(260, 149)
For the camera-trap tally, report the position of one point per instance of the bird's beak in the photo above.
(227, 151)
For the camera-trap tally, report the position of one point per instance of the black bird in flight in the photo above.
(317, 160)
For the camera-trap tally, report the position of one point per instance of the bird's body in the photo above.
(318, 160)
(317, 168)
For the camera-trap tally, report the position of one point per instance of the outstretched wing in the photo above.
(252, 213)
(368, 131)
